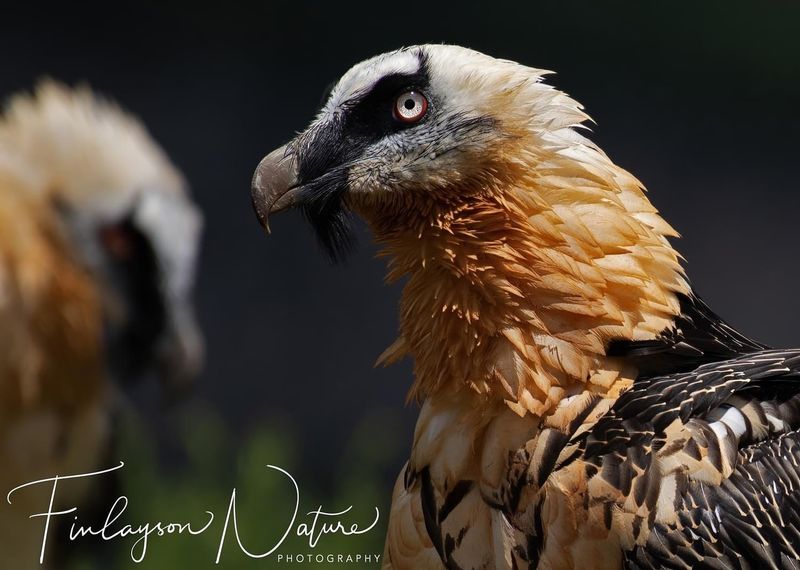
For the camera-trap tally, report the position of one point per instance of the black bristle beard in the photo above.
(325, 207)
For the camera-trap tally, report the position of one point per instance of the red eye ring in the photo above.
(410, 106)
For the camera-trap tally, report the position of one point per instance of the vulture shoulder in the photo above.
(695, 468)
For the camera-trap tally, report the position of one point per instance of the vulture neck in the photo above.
(513, 300)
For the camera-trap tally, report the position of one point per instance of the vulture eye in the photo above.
(118, 240)
(410, 107)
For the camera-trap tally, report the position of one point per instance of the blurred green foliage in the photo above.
(215, 462)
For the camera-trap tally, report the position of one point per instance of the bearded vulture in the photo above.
(581, 406)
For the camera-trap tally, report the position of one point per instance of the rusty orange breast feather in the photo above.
(517, 282)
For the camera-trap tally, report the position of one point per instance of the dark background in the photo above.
(698, 99)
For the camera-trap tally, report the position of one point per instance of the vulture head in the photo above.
(402, 130)
(126, 215)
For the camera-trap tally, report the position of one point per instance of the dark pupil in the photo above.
(409, 104)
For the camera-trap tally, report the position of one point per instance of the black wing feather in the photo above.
(699, 336)
(726, 527)
(751, 520)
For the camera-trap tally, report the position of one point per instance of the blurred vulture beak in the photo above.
(181, 354)
(275, 185)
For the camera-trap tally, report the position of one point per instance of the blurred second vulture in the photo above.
(98, 241)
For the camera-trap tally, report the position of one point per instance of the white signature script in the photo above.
(319, 522)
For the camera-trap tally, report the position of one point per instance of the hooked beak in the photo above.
(274, 187)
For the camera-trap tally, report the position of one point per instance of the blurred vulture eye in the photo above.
(118, 240)
(410, 107)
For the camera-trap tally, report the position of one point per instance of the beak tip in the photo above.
(261, 214)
